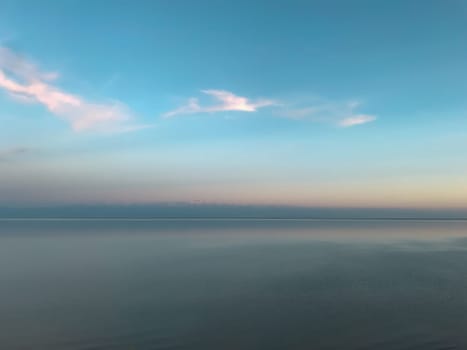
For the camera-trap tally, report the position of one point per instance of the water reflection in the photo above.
(231, 284)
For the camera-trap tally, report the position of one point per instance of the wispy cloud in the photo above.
(226, 101)
(24, 81)
(356, 120)
(342, 114)
(6, 154)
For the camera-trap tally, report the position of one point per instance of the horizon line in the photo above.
(247, 218)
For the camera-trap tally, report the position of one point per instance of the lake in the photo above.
(233, 284)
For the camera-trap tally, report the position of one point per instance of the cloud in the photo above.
(26, 83)
(227, 101)
(6, 154)
(342, 114)
(357, 120)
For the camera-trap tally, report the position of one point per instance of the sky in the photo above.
(334, 103)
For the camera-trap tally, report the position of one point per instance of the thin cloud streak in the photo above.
(27, 84)
(341, 114)
(357, 120)
(22, 68)
(227, 101)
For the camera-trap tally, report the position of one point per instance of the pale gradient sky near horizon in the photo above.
(354, 103)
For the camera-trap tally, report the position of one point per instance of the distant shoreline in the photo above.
(218, 219)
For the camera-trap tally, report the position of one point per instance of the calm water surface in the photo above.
(232, 284)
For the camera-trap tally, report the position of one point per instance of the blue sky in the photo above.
(320, 103)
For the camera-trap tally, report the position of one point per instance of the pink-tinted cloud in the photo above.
(226, 101)
(21, 67)
(24, 81)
